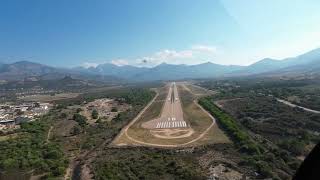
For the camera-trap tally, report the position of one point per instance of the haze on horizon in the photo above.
(145, 33)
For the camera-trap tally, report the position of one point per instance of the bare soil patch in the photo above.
(172, 133)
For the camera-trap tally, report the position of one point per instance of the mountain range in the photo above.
(305, 64)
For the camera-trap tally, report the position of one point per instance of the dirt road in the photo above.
(294, 105)
(49, 134)
(175, 145)
(125, 129)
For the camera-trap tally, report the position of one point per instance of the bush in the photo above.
(79, 110)
(264, 169)
(94, 114)
(63, 115)
(294, 164)
(30, 151)
(114, 109)
(76, 130)
(82, 121)
(294, 146)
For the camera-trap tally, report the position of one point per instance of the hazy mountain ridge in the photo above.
(30, 71)
(301, 64)
(307, 63)
(268, 65)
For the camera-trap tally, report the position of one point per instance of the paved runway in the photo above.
(172, 114)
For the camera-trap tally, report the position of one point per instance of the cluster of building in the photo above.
(13, 115)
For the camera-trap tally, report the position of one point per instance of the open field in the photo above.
(10, 136)
(197, 90)
(200, 127)
(48, 97)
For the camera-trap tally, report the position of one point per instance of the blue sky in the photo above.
(147, 32)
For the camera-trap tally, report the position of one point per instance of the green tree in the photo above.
(82, 121)
(94, 114)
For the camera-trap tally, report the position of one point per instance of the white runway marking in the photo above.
(171, 124)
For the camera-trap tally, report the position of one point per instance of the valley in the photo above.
(236, 125)
(159, 90)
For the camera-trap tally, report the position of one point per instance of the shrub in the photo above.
(94, 114)
(79, 110)
(82, 121)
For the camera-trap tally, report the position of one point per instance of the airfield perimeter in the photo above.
(172, 119)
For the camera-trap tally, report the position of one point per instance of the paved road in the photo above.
(294, 105)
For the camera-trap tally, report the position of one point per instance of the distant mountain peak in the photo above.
(164, 71)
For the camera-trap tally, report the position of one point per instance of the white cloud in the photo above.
(119, 62)
(204, 48)
(194, 55)
(172, 54)
(167, 56)
(89, 64)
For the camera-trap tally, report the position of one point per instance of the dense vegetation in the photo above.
(134, 96)
(303, 92)
(268, 160)
(31, 152)
(282, 133)
(142, 163)
(81, 120)
(94, 137)
(277, 122)
(239, 136)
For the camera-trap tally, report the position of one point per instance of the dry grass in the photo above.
(48, 97)
(10, 136)
(193, 115)
(200, 121)
(197, 90)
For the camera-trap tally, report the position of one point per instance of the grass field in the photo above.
(197, 90)
(193, 115)
(199, 120)
(48, 97)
